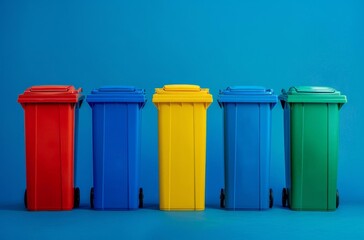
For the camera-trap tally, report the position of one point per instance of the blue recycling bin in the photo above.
(247, 133)
(116, 119)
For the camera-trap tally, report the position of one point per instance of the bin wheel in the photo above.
(222, 198)
(284, 197)
(271, 199)
(76, 198)
(25, 199)
(141, 198)
(92, 197)
(337, 199)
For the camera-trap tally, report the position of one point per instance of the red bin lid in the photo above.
(50, 94)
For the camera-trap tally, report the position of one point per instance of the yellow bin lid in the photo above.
(182, 93)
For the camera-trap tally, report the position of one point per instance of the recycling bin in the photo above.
(311, 139)
(247, 147)
(51, 116)
(182, 145)
(116, 122)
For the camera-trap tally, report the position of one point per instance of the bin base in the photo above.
(76, 202)
(182, 209)
(286, 203)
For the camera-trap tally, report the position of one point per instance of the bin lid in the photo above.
(127, 94)
(312, 94)
(182, 93)
(247, 94)
(50, 94)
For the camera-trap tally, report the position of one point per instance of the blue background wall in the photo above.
(214, 44)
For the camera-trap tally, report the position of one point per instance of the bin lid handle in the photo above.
(50, 88)
(182, 88)
(117, 89)
(313, 89)
(247, 89)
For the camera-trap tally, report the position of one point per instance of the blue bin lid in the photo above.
(110, 94)
(247, 94)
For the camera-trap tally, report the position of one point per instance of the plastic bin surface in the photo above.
(116, 120)
(247, 144)
(182, 145)
(311, 134)
(51, 116)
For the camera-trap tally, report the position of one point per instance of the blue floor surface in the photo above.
(278, 223)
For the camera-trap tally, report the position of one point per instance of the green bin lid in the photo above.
(312, 94)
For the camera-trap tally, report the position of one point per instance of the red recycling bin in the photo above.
(51, 115)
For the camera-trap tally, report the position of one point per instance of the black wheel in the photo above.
(92, 197)
(76, 198)
(271, 199)
(222, 198)
(25, 199)
(284, 197)
(141, 198)
(337, 199)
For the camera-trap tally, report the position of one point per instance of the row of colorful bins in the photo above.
(311, 124)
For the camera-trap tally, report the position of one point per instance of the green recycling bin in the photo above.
(311, 138)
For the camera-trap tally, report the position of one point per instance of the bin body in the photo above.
(247, 143)
(116, 120)
(51, 115)
(311, 135)
(182, 146)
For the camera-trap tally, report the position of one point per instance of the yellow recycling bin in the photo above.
(182, 145)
